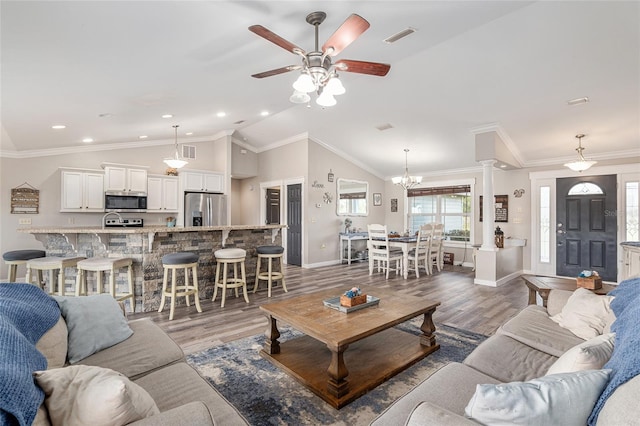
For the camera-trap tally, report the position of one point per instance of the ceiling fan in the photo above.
(319, 74)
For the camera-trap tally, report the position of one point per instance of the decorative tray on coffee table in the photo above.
(334, 303)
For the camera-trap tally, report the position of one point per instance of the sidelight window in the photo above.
(632, 194)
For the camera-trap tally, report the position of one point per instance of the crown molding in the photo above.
(348, 158)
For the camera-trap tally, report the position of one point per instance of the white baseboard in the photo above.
(499, 282)
(321, 264)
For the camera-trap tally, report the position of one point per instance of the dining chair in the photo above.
(435, 255)
(380, 254)
(418, 254)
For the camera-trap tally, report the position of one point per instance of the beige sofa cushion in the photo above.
(590, 355)
(81, 394)
(148, 349)
(450, 388)
(428, 414)
(53, 345)
(508, 360)
(585, 313)
(622, 406)
(533, 327)
(179, 384)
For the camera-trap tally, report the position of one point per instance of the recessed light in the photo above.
(221, 114)
(264, 113)
(189, 133)
(58, 126)
(167, 116)
(143, 137)
(87, 140)
(503, 166)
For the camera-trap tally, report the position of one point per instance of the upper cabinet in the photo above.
(202, 181)
(123, 178)
(82, 190)
(162, 195)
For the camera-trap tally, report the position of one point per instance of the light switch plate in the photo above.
(24, 221)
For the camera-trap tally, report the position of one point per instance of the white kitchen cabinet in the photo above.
(82, 191)
(125, 179)
(201, 181)
(162, 194)
(631, 266)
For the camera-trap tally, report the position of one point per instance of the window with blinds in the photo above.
(449, 205)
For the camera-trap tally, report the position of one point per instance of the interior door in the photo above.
(294, 224)
(586, 234)
(273, 206)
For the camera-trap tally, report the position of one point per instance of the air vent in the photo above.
(189, 151)
(578, 101)
(384, 127)
(398, 36)
(239, 122)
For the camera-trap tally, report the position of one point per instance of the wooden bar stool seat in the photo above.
(172, 262)
(225, 258)
(52, 263)
(20, 257)
(270, 253)
(107, 265)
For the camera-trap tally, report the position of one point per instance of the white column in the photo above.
(488, 209)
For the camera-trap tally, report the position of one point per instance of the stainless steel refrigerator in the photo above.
(205, 209)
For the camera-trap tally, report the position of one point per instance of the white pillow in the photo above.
(82, 394)
(585, 313)
(560, 399)
(590, 355)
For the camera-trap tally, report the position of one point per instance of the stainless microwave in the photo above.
(125, 202)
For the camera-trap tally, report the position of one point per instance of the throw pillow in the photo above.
(94, 322)
(82, 394)
(585, 313)
(560, 399)
(590, 355)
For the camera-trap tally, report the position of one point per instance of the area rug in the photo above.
(266, 395)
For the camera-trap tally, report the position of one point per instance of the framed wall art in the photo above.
(502, 208)
(377, 199)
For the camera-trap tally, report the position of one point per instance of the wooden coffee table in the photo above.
(377, 351)
(543, 285)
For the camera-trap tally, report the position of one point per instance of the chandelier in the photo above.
(318, 75)
(406, 181)
(581, 164)
(176, 162)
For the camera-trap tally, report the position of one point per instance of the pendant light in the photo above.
(406, 181)
(176, 162)
(581, 164)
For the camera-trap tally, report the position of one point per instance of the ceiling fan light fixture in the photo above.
(581, 164)
(176, 162)
(299, 97)
(334, 86)
(326, 100)
(304, 83)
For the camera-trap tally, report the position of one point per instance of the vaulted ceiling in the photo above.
(110, 70)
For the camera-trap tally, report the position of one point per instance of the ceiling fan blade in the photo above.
(273, 38)
(346, 34)
(363, 67)
(277, 71)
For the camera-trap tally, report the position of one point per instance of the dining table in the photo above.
(406, 244)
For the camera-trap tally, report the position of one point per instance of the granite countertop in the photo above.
(139, 230)
(630, 243)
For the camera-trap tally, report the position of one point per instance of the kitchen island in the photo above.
(146, 246)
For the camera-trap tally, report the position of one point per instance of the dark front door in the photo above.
(586, 232)
(294, 224)
(273, 206)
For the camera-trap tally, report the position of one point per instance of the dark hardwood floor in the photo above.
(464, 305)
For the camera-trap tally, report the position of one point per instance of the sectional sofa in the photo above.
(506, 379)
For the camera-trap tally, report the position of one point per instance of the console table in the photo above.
(347, 237)
(543, 285)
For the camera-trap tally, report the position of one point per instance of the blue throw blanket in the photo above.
(625, 360)
(26, 314)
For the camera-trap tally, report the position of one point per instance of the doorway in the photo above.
(586, 226)
(273, 206)
(294, 224)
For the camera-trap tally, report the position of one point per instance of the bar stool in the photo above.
(51, 263)
(270, 253)
(110, 265)
(20, 257)
(227, 257)
(173, 262)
